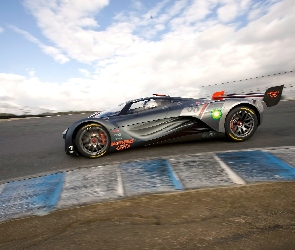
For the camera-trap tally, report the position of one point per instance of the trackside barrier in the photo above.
(257, 84)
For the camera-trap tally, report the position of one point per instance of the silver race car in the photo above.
(162, 118)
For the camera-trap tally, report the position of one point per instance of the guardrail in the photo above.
(11, 116)
(254, 85)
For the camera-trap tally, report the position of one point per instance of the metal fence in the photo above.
(256, 84)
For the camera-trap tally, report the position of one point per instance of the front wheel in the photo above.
(92, 140)
(240, 124)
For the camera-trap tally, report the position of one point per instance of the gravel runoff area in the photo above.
(258, 216)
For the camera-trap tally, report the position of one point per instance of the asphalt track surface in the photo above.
(31, 147)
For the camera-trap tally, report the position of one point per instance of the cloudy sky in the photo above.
(91, 54)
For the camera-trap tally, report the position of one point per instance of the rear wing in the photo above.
(271, 97)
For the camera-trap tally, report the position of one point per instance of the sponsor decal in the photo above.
(209, 134)
(123, 144)
(216, 114)
(273, 94)
(116, 130)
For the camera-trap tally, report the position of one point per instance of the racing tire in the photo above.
(92, 140)
(240, 124)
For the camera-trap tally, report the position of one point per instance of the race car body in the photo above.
(159, 118)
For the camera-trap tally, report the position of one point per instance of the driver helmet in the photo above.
(151, 104)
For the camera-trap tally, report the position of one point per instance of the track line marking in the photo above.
(120, 182)
(174, 177)
(1, 187)
(231, 174)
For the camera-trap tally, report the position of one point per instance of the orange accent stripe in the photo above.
(203, 109)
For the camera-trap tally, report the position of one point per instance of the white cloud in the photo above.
(272, 29)
(137, 4)
(185, 45)
(1, 29)
(244, 4)
(195, 14)
(228, 12)
(67, 25)
(49, 50)
(31, 72)
(84, 72)
(55, 53)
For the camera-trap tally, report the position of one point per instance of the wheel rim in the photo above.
(242, 123)
(94, 140)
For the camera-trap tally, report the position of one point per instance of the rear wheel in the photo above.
(240, 124)
(92, 140)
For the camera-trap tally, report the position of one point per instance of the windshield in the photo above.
(109, 112)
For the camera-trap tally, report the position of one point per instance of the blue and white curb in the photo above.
(255, 166)
(32, 196)
(41, 195)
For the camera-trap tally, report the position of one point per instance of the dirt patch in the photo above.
(245, 217)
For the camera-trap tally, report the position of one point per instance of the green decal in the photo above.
(216, 114)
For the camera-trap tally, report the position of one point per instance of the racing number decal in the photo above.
(198, 109)
(193, 109)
